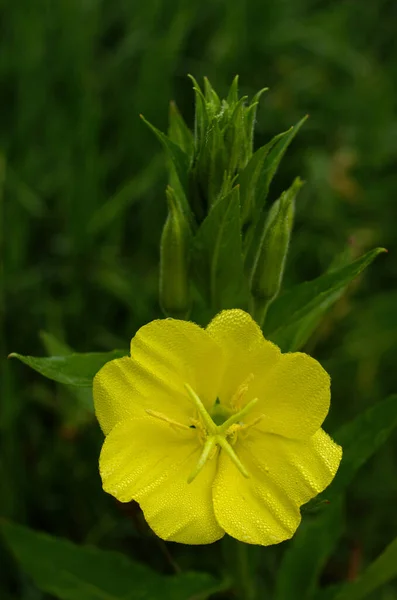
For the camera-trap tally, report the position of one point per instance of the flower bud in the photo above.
(268, 267)
(175, 299)
(223, 142)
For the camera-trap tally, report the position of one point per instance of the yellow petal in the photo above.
(165, 354)
(149, 461)
(294, 397)
(302, 468)
(113, 393)
(246, 352)
(252, 510)
(284, 474)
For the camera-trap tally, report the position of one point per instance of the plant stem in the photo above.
(240, 568)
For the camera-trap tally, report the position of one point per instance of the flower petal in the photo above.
(113, 393)
(245, 349)
(252, 510)
(294, 397)
(284, 474)
(165, 354)
(302, 468)
(149, 460)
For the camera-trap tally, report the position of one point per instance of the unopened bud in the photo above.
(175, 299)
(268, 268)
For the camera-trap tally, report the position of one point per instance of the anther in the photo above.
(241, 391)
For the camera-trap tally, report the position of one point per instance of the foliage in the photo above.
(82, 183)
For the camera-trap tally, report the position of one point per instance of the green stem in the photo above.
(240, 568)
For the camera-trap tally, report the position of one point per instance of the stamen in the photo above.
(162, 417)
(248, 425)
(215, 435)
(209, 423)
(208, 447)
(222, 429)
(241, 391)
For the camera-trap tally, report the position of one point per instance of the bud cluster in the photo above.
(218, 236)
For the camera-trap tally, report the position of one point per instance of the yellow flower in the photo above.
(214, 430)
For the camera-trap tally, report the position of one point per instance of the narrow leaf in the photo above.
(232, 96)
(179, 158)
(201, 115)
(179, 132)
(250, 116)
(72, 572)
(308, 301)
(249, 177)
(265, 169)
(73, 369)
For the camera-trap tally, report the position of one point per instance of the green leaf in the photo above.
(304, 560)
(381, 571)
(211, 96)
(179, 132)
(249, 178)
(179, 160)
(361, 438)
(201, 115)
(232, 97)
(81, 410)
(73, 369)
(217, 255)
(72, 572)
(250, 116)
(293, 316)
(262, 168)
(308, 552)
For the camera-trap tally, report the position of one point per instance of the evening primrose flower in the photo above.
(215, 430)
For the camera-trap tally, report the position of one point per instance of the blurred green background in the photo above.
(82, 207)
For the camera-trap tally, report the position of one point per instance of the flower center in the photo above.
(219, 426)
